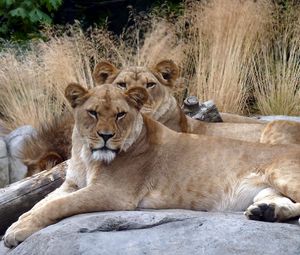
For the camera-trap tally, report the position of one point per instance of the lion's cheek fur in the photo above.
(133, 133)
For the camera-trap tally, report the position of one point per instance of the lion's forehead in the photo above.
(136, 69)
(106, 92)
(108, 101)
(136, 75)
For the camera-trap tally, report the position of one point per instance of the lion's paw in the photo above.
(20, 230)
(262, 212)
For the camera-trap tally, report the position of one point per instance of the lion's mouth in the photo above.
(105, 149)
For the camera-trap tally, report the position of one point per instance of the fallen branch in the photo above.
(21, 196)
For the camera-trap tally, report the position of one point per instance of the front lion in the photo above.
(123, 160)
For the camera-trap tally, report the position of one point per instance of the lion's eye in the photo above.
(121, 115)
(150, 85)
(92, 113)
(122, 85)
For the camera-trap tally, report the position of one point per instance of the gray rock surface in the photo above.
(279, 117)
(168, 232)
(4, 165)
(15, 141)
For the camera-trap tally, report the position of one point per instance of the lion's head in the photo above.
(157, 81)
(107, 120)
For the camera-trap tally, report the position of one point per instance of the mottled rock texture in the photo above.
(168, 232)
(14, 142)
(4, 164)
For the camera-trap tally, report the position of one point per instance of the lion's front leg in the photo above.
(20, 230)
(88, 199)
(28, 222)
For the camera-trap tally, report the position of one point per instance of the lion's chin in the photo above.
(104, 155)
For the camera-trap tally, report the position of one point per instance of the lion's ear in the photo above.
(103, 71)
(76, 94)
(168, 70)
(137, 97)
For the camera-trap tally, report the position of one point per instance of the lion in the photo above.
(52, 144)
(147, 77)
(162, 106)
(123, 160)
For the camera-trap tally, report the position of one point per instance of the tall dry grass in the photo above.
(224, 36)
(276, 76)
(33, 81)
(227, 50)
(161, 43)
(276, 80)
(27, 96)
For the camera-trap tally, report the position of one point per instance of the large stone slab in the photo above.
(15, 141)
(4, 165)
(169, 232)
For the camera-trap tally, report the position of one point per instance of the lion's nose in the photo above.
(105, 136)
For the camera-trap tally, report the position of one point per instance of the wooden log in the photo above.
(206, 111)
(21, 196)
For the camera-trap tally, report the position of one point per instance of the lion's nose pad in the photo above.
(105, 136)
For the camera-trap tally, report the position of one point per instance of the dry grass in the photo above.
(33, 83)
(219, 45)
(27, 96)
(276, 76)
(276, 80)
(224, 36)
(161, 43)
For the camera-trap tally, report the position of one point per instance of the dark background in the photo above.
(21, 20)
(95, 12)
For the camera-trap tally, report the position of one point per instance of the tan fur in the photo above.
(50, 146)
(234, 118)
(161, 168)
(281, 131)
(159, 80)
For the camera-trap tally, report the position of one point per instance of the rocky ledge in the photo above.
(11, 167)
(167, 232)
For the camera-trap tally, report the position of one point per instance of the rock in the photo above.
(168, 232)
(206, 111)
(191, 104)
(14, 141)
(4, 164)
(278, 117)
